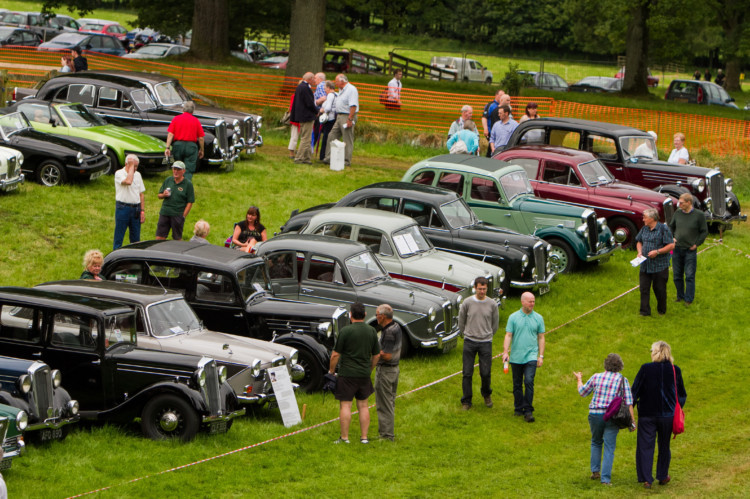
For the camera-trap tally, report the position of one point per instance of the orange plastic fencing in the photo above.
(421, 110)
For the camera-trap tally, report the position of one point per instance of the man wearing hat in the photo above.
(178, 197)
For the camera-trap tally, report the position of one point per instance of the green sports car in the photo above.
(62, 118)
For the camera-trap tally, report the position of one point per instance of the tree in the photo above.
(210, 30)
(306, 37)
(636, 50)
(732, 15)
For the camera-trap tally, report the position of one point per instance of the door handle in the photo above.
(96, 362)
(36, 354)
(307, 290)
(239, 316)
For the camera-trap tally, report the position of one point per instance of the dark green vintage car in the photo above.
(13, 422)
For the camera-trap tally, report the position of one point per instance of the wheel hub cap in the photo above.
(169, 421)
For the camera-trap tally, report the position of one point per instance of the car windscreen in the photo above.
(515, 184)
(142, 100)
(13, 123)
(172, 317)
(364, 268)
(253, 279)
(595, 173)
(643, 147)
(410, 241)
(171, 93)
(78, 116)
(458, 214)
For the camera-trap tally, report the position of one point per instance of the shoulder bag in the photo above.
(617, 411)
(678, 421)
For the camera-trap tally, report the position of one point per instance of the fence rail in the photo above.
(422, 110)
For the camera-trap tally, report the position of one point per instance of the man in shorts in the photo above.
(177, 197)
(358, 351)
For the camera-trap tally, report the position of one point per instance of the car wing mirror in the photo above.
(53, 122)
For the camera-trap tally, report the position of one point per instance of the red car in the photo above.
(578, 177)
(108, 28)
(652, 81)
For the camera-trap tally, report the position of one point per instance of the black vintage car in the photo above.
(231, 292)
(629, 154)
(52, 159)
(33, 387)
(148, 102)
(92, 343)
(452, 226)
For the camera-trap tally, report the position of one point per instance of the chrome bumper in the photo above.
(207, 420)
(8, 185)
(604, 254)
(53, 423)
(442, 341)
(535, 284)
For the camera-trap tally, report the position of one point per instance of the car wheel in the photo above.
(488, 81)
(561, 256)
(169, 416)
(51, 173)
(313, 379)
(114, 163)
(624, 231)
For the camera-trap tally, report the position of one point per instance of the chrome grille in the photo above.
(340, 319)
(220, 132)
(668, 210)
(41, 391)
(593, 231)
(283, 325)
(248, 130)
(447, 317)
(3, 430)
(212, 391)
(540, 260)
(12, 167)
(715, 185)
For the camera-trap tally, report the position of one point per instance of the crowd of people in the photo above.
(720, 77)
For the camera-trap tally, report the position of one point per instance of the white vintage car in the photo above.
(10, 169)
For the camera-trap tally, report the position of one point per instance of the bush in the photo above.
(513, 81)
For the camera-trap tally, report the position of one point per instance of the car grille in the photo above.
(283, 325)
(593, 231)
(95, 161)
(12, 166)
(248, 129)
(3, 430)
(715, 184)
(212, 391)
(668, 210)
(220, 131)
(448, 317)
(41, 391)
(340, 319)
(540, 260)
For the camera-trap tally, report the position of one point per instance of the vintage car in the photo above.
(230, 291)
(578, 177)
(147, 102)
(165, 321)
(51, 158)
(618, 147)
(405, 251)
(75, 120)
(500, 194)
(324, 269)
(34, 388)
(11, 161)
(651, 80)
(451, 226)
(13, 422)
(92, 343)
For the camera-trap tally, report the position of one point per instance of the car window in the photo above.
(515, 184)
(565, 138)
(77, 93)
(458, 214)
(601, 147)
(595, 173)
(110, 43)
(376, 240)
(425, 177)
(214, 287)
(74, 331)
(140, 98)
(171, 317)
(118, 329)
(283, 265)
(452, 181)
(559, 173)
(365, 268)
(723, 95)
(19, 323)
(131, 272)
(78, 116)
(325, 269)
(168, 276)
(35, 112)
(418, 211)
(94, 42)
(110, 97)
(713, 93)
(253, 279)
(410, 241)
(344, 231)
(531, 165)
(533, 136)
(378, 203)
(484, 189)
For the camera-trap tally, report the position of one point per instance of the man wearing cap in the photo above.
(129, 202)
(185, 139)
(178, 197)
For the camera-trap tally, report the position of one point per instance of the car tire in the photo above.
(169, 416)
(51, 173)
(563, 254)
(313, 379)
(114, 163)
(488, 81)
(627, 231)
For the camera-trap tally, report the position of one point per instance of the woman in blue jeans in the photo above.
(605, 386)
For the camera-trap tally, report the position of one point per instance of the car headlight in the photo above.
(255, 368)
(699, 184)
(709, 204)
(72, 407)
(222, 374)
(56, 378)
(79, 158)
(20, 159)
(294, 358)
(728, 184)
(459, 299)
(601, 222)
(236, 125)
(501, 277)
(104, 149)
(524, 262)
(258, 122)
(24, 383)
(325, 328)
(431, 314)
(22, 420)
(200, 377)
(583, 230)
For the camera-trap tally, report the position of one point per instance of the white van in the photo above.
(464, 69)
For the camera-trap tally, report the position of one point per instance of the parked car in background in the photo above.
(618, 147)
(10, 169)
(230, 291)
(13, 422)
(544, 81)
(501, 194)
(465, 69)
(165, 321)
(651, 80)
(107, 28)
(597, 84)
(272, 60)
(450, 225)
(18, 37)
(157, 51)
(255, 50)
(31, 385)
(404, 250)
(52, 159)
(322, 269)
(21, 19)
(75, 120)
(699, 92)
(92, 42)
(578, 177)
(138, 37)
(53, 25)
(92, 344)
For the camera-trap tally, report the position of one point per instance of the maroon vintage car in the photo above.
(578, 177)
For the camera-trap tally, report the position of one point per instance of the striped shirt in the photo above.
(606, 386)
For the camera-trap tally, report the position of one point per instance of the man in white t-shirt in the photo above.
(679, 154)
(393, 100)
(129, 204)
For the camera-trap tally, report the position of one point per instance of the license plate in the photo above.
(96, 175)
(217, 427)
(5, 464)
(450, 345)
(681, 99)
(11, 187)
(543, 290)
(51, 434)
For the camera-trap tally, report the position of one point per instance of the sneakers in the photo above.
(596, 475)
(529, 417)
(364, 441)
(488, 401)
(646, 485)
(341, 441)
(465, 407)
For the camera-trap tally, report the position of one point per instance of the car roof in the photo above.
(52, 299)
(207, 255)
(416, 191)
(121, 77)
(553, 152)
(341, 248)
(573, 123)
(470, 163)
(695, 82)
(384, 220)
(112, 290)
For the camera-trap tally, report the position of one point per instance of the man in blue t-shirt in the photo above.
(489, 116)
(524, 336)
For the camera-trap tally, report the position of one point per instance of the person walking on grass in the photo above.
(688, 225)
(185, 139)
(386, 373)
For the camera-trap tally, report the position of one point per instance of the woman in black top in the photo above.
(92, 264)
(654, 395)
(249, 231)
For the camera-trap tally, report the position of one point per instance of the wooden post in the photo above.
(4, 87)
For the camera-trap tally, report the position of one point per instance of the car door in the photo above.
(285, 271)
(560, 182)
(489, 204)
(115, 106)
(217, 301)
(324, 280)
(20, 331)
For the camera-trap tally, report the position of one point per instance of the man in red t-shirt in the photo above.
(185, 139)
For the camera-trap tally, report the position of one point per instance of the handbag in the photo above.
(286, 119)
(678, 421)
(617, 411)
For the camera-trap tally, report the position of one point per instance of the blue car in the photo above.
(92, 42)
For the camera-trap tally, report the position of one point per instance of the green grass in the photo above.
(440, 450)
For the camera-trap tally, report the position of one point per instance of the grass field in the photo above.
(440, 451)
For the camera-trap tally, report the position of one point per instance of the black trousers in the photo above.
(649, 431)
(659, 282)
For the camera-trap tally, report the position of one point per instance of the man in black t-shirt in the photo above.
(386, 374)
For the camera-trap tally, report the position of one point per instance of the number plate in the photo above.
(96, 175)
(5, 464)
(11, 187)
(543, 290)
(217, 427)
(450, 345)
(51, 434)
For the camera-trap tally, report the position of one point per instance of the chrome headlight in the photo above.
(699, 184)
(200, 377)
(325, 328)
(56, 378)
(583, 230)
(601, 222)
(24, 383)
(294, 358)
(258, 122)
(431, 314)
(459, 299)
(709, 204)
(104, 148)
(22, 420)
(524, 262)
(255, 367)
(79, 158)
(728, 184)
(222, 374)
(730, 202)
(72, 407)
(501, 277)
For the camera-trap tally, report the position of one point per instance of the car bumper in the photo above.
(726, 221)
(536, 283)
(90, 170)
(17, 449)
(444, 342)
(51, 429)
(152, 163)
(603, 254)
(218, 424)
(12, 184)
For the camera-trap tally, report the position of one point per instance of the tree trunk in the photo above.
(734, 68)
(636, 50)
(732, 15)
(306, 37)
(210, 30)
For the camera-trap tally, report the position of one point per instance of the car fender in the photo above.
(569, 236)
(8, 398)
(132, 407)
(308, 343)
(676, 191)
